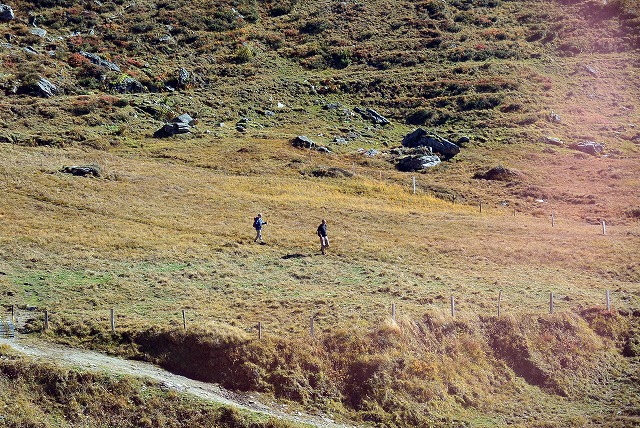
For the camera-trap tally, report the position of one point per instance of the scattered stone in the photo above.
(414, 163)
(82, 170)
(269, 113)
(370, 152)
(553, 141)
(241, 128)
(323, 149)
(30, 50)
(463, 141)
(554, 117)
(303, 142)
(372, 115)
(6, 13)
(40, 32)
(340, 140)
(185, 118)
(498, 173)
(592, 71)
(589, 147)
(331, 106)
(96, 60)
(184, 77)
(439, 145)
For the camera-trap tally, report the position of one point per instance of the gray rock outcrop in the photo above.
(412, 163)
(304, 142)
(437, 144)
(96, 60)
(590, 147)
(128, 85)
(6, 13)
(372, 115)
(45, 88)
(178, 125)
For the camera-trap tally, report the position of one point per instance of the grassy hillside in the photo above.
(167, 226)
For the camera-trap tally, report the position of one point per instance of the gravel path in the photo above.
(95, 361)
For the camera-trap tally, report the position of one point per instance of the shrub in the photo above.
(243, 54)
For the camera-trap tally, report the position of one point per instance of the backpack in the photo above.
(256, 223)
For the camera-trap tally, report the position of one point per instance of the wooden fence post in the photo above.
(608, 302)
(604, 227)
(480, 206)
(514, 212)
(499, 301)
(259, 330)
(393, 312)
(13, 314)
(553, 219)
(184, 320)
(551, 302)
(414, 184)
(113, 320)
(46, 320)
(453, 307)
(311, 327)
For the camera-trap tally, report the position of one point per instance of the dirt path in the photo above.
(95, 361)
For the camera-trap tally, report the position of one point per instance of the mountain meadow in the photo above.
(477, 163)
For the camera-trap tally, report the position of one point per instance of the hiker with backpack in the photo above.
(258, 222)
(322, 233)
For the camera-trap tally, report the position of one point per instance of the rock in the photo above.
(413, 163)
(331, 106)
(340, 140)
(370, 152)
(589, 147)
(82, 170)
(30, 50)
(372, 115)
(269, 113)
(45, 88)
(498, 173)
(463, 141)
(323, 149)
(241, 128)
(6, 13)
(184, 77)
(184, 118)
(554, 117)
(96, 60)
(553, 141)
(128, 85)
(592, 71)
(40, 32)
(421, 138)
(178, 125)
(303, 142)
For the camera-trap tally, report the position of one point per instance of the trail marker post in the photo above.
(480, 206)
(311, 327)
(393, 312)
(604, 227)
(551, 302)
(608, 301)
(553, 219)
(499, 301)
(184, 320)
(46, 320)
(13, 314)
(414, 185)
(113, 320)
(259, 330)
(453, 307)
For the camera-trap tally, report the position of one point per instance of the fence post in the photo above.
(414, 184)
(259, 330)
(499, 300)
(604, 227)
(514, 212)
(393, 312)
(453, 307)
(184, 320)
(113, 320)
(608, 302)
(46, 320)
(553, 219)
(480, 206)
(311, 327)
(13, 314)
(551, 302)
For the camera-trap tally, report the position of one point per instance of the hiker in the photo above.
(258, 222)
(322, 233)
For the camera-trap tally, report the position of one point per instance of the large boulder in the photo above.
(590, 147)
(421, 138)
(413, 163)
(303, 142)
(128, 85)
(178, 125)
(6, 13)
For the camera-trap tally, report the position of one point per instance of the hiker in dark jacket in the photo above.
(322, 233)
(258, 222)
